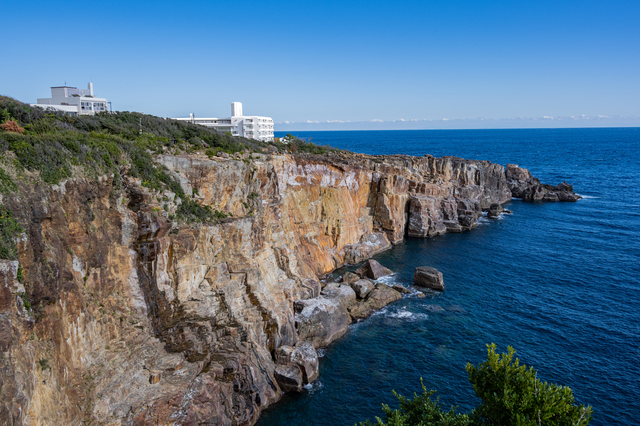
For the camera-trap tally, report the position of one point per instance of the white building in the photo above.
(73, 101)
(250, 126)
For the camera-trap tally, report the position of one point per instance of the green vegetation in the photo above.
(6, 183)
(57, 146)
(293, 144)
(511, 395)
(9, 231)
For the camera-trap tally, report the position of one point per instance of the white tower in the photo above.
(236, 109)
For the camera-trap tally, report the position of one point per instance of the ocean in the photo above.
(560, 282)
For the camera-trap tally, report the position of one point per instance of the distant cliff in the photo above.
(128, 302)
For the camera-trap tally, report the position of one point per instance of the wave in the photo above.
(586, 197)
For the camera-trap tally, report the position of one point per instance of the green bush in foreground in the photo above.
(511, 394)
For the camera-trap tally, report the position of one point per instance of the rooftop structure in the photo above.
(73, 101)
(250, 127)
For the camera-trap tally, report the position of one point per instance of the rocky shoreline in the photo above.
(136, 319)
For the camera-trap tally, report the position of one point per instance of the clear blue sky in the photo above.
(324, 61)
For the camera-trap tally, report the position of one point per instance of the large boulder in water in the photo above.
(372, 269)
(426, 276)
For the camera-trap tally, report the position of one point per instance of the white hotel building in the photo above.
(73, 101)
(250, 127)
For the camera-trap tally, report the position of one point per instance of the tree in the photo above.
(511, 394)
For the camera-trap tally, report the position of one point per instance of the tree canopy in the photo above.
(511, 395)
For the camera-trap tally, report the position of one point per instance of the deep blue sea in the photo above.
(560, 282)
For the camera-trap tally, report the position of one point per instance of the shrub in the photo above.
(11, 126)
(511, 395)
(9, 231)
(6, 183)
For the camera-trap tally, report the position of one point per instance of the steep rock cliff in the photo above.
(127, 317)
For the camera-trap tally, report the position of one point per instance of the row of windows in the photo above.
(93, 106)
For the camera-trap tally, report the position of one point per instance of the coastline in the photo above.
(210, 304)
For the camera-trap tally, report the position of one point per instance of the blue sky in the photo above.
(361, 63)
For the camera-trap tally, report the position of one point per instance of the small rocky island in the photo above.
(115, 311)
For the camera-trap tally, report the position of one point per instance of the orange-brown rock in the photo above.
(126, 317)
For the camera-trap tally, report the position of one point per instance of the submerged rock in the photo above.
(372, 269)
(426, 276)
(434, 308)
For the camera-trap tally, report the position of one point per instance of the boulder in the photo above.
(342, 293)
(494, 211)
(401, 289)
(426, 276)
(289, 377)
(303, 355)
(323, 319)
(372, 269)
(349, 278)
(378, 298)
(362, 288)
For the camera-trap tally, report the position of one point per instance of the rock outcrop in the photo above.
(428, 277)
(115, 313)
(523, 185)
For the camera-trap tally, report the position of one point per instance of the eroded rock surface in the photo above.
(125, 317)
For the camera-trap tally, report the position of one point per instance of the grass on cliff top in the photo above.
(56, 145)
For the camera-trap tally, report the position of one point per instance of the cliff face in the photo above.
(126, 317)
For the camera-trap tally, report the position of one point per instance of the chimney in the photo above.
(90, 87)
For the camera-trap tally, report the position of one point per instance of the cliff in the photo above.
(116, 313)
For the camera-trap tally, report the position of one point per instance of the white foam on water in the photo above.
(404, 314)
(321, 352)
(382, 311)
(484, 220)
(313, 387)
(389, 280)
(586, 197)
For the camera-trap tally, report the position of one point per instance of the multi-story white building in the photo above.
(73, 101)
(251, 127)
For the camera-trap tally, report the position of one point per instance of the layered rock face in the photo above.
(126, 317)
